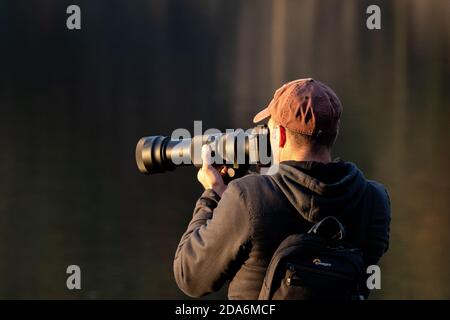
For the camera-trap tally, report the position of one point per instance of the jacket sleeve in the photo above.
(378, 231)
(210, 248)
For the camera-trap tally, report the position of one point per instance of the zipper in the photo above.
(324, 272)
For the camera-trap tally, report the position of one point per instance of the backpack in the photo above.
(317, 265)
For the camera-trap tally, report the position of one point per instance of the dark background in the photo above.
(74, 103)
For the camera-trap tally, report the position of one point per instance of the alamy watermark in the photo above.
(74, 279)
(73, 21)
(373, 281)
(373, 21)
(232, 147)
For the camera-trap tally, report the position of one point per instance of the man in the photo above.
(235, 229)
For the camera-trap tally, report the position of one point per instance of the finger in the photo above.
(223, 171)
(206, 156)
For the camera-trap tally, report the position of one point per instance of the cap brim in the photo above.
(264, 114)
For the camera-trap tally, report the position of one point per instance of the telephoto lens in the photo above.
(236, 150)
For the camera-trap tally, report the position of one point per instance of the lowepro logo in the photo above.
(318, 262)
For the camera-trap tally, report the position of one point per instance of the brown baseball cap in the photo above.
(306, 106)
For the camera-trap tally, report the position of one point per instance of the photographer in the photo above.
(236, 228)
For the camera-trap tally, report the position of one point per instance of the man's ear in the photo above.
(282, 136)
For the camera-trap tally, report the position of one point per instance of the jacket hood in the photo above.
(318, 190)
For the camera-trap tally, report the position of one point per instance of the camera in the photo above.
(235, 149)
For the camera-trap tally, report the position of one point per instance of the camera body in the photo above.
(235, 149)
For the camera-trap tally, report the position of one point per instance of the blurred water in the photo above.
(73, 105)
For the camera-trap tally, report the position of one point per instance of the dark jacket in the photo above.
(234, 238)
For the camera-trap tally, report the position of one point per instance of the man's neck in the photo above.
(306, 155)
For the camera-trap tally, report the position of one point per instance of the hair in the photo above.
(315, 143)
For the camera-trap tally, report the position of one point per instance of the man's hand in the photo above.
(208, 176)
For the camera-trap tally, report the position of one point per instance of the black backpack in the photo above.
(317, 265)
